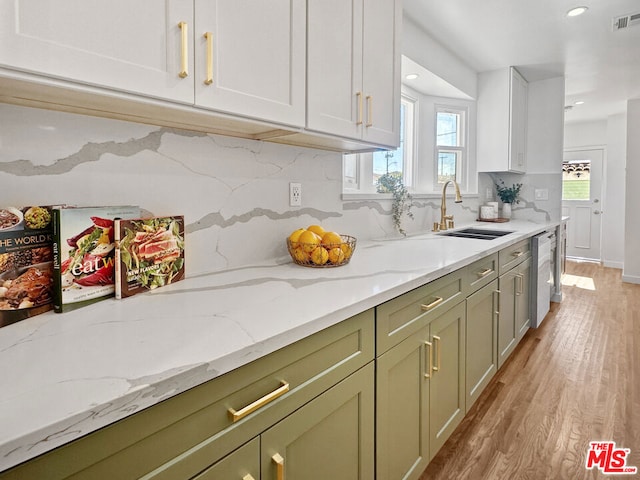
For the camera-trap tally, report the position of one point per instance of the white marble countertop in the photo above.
(65, 375)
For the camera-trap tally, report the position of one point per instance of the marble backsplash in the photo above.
(233, 192)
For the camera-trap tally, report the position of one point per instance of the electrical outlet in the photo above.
(541, 193)
(295, 194)
(488, 193)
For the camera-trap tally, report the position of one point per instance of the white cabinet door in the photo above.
(518, 112)
(353, 83)
(334, 67)
(381, 71)
(253, 61)
(128, 46)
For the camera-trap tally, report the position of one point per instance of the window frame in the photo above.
(460, 150)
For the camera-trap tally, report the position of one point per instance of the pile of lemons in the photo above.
(314, 245)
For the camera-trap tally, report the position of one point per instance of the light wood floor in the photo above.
(569, 382)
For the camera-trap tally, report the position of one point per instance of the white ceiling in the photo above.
(601, 67)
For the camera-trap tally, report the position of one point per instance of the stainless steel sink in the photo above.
(477, 233)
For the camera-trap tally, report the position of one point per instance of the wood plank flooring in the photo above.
(569, 382)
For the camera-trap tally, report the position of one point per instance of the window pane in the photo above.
(448, 129)
(391, 161)
(576, 180)
(447, 163)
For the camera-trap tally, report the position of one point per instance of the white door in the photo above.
(582, 202)
(129, 46)
(252, 60)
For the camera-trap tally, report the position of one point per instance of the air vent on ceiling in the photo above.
(626, 21)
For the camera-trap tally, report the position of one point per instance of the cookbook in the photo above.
(26, 268)
(149, 254)
(84, 254)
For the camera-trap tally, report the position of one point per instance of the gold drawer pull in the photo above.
(517, 254)
(279, 461)
(436, 343)
(184, 50)
(209, 39)
(484, 273)
(435, 303)
(261, 402)
(428, 359)
(248, 476)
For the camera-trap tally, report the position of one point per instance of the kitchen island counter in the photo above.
(66, 375)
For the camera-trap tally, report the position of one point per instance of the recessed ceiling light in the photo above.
(579, 102)
(412, 76)
(574, 12)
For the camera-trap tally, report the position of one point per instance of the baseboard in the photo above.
(631, 278)
(618, 265)
(556, 298)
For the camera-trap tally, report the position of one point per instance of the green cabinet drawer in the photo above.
(183, 435)
(243, 464)
(481, 273)
(514, 255)
(399, 318)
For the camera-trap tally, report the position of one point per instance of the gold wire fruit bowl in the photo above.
(318, 255)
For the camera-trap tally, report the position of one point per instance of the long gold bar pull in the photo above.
(497, 310)
(429, 359)
(369, 111)
(436, 343)
(359, 119)
(248, 476)
(261, 402)
(209, 37)
(184, 50)
(484, 273)
(279, 461)
(435, 303)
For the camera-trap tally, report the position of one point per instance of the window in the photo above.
(450, 144)
(576, 179)
(362, 171)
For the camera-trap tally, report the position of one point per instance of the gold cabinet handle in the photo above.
(436, 343)
(484, 273)
(261, 402)
(369, 111)
(428, 359)
(435, 303)
(209, 38)
(279, 461)
(359, 98)
(184, 50)
(497, 311)
(517, 254)
(248, 476)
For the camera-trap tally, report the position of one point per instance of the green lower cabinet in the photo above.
(243, 464)
(514, 315)
(331, 437)
(482, 340)
(402, 408)
(447, 389)
(420, 395)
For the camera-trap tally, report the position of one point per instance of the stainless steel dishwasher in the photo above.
(541, 275)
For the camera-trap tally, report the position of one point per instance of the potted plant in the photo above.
(508, 196)
(391, 182)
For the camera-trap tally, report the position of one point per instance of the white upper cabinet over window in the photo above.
(353, 83)
(502, 121)
(252, 60)
(129, 46)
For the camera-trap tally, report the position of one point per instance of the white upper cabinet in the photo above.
(353, 74)
(250, 58)
(128, 46)
(502, 121)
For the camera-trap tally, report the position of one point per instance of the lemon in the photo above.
(295, 235)
(309, 241)
(300, 255)
(336, 256)
(317, 229)
(346, 248)
(320, 256)
(331, 239)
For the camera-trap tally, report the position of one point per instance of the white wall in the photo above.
(545, 126)
(631, 272)
(432, 55)
(585, 134)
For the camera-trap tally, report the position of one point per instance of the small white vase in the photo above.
(506, 210)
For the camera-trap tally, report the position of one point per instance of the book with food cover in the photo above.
(149, 254)
(84, 254)
(26, 268)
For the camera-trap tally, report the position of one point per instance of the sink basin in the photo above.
(477, 233)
